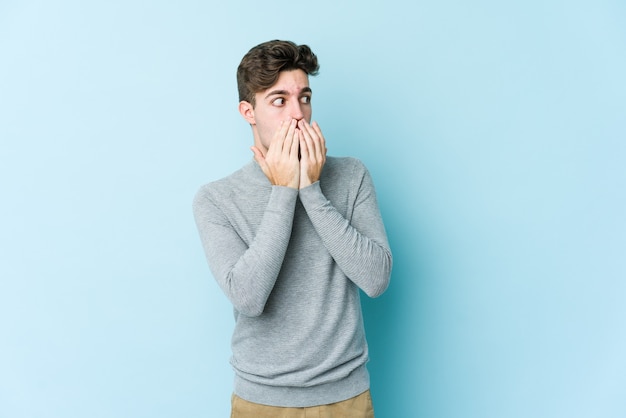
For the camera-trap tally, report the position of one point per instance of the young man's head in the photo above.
(273, 84)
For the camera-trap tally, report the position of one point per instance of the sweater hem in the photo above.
(352, 385)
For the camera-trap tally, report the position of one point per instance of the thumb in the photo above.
(258, 155)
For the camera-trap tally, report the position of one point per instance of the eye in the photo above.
(278, 101)
(305, 99)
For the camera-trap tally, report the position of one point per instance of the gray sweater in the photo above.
(292, 262)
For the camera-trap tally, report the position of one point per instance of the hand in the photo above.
(312, 151)
(280, 163)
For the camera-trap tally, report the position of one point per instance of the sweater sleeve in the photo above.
(246, 274)
(359, 246)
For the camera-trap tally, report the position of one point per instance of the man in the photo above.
(290, 239)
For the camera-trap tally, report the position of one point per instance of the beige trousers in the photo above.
(358, 407)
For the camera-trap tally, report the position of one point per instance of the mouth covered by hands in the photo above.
(296, 155)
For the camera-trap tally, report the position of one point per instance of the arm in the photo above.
(358, 246)
(246, 274)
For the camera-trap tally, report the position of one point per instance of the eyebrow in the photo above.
(286, 93)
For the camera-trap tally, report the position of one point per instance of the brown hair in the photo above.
(260, 67)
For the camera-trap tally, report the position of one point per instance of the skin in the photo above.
(289, 149)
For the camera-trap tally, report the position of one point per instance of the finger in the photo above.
(258, 155)
(313, 142)
(306, 128)
(306, 146)
(295, 146)
(317, 128)
(318, 131)
(322, 140)
(290, 137)
(276, 146)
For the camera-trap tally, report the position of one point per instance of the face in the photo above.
(289, 98)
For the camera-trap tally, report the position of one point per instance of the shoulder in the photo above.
(226, 187)
(344, 166)
(344, 170)
(217, 186)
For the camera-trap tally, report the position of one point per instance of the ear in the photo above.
(247, 111)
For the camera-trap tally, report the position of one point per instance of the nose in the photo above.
(296, 110)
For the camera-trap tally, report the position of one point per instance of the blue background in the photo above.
(495, 133)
